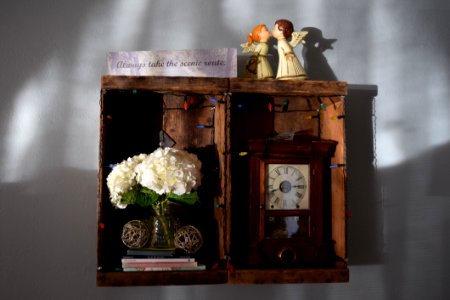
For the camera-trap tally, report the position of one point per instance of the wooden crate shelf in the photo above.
(279, 276)
(161, 278)
(133, 111)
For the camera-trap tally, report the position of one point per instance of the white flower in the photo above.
(169, 170)
(164, 171)
(122, 178)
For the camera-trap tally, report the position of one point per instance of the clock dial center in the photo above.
(285, 186)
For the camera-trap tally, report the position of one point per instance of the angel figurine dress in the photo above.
(289, 66)
(258, 65)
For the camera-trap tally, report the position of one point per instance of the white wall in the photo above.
(52, 55)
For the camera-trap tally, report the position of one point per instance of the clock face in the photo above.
(287, 186)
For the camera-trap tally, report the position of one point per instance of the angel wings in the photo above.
(297, 38)
(246, 48)
(258, 65)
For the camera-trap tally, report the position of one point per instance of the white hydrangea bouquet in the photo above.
(167, 174)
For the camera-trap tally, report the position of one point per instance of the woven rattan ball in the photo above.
(189, 239)
(135, 234)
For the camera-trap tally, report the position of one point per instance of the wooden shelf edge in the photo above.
(161, 278)
(188, 85)
(281, 276)
(316, 88)
(247, 276)
(213, 85)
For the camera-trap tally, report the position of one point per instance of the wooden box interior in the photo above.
(214, 118)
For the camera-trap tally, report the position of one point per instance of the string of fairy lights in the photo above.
(195, 102)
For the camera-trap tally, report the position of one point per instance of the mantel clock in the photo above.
(290, 202)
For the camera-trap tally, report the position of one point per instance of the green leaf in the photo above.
(145, 197)
(141, 196)
(189, 199)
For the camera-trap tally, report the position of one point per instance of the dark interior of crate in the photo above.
(132, 121)
(131, 124)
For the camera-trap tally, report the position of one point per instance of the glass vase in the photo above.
(163, 227)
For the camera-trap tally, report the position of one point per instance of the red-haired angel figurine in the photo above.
(258, 65)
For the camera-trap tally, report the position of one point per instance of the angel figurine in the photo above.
(289, 67)
(258, 65)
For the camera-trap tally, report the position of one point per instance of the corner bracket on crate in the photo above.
(165, 140)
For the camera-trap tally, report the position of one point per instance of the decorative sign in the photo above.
(194, 63)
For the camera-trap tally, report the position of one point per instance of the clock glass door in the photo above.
(286, 201)
(286, 226)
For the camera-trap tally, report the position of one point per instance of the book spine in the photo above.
(138, 269)
(158, 264)
(151, 259)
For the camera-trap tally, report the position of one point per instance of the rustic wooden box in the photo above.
(214, 118)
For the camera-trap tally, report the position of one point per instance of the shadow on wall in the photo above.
(48, 223)
(316, 64)
(365, 226)
(417, 219)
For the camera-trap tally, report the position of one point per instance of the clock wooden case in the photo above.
(290, 203)
(254, 183)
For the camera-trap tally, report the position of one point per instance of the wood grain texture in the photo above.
(289, 87)
(276, 276)
(161, 278)
(163, 98)
(333, 128)
(188, 85)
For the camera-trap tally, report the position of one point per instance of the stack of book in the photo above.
(157, 260)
